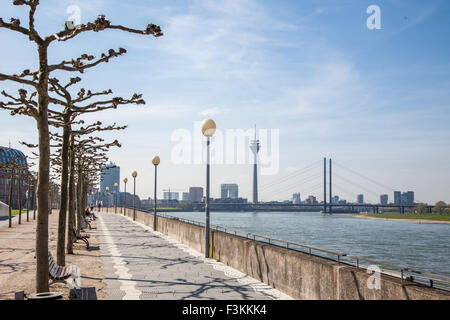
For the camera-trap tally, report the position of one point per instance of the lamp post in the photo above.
(115, 198)
(208, 130)
(134, 175)
(155, 162)
(125, 180)
(107, 198)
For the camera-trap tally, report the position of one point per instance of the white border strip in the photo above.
(128, 286)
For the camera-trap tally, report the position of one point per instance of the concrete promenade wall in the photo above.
(297, 274)
(4, 210)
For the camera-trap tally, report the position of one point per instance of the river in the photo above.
(421, 246)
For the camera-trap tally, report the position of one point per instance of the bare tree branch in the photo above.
(101, 24)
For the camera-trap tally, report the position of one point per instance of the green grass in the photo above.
(16, 212)
(426, 216)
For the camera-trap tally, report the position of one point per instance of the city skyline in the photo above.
(376, 118)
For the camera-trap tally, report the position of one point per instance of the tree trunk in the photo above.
(43, 175)
(28, 199)
(11, 180)
(79, 200)
(61, 242)
(71, 222)
(19, 195)
(50, 199)
(35, 199)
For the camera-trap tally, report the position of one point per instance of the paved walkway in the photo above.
(139, 263)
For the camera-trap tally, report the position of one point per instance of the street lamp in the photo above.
(208, 130)
(107, 198)
(155, 162)
(115, 202)
(125, 180)
(134, 175)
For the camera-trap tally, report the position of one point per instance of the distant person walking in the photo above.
(99, 206)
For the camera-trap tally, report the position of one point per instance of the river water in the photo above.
(420, 246)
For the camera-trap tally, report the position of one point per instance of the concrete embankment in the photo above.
(300, 275)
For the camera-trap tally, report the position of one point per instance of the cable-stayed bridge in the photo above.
(326, 179)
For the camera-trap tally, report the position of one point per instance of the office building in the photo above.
(229, 191)
(360, 199)
(168, 195)
(185, 196)
(296, 198)
(335, 200)
(408, 198)
(110, 175)
(397, 198)
(195, 194)
(384, 199)
(311, 200)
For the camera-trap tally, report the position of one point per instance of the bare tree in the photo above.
(63, 162)
(39, 80)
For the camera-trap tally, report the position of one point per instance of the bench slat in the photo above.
(63, 272)
(67, 271)
(58, 272)
(53, 271)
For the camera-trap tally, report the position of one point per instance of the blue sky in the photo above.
(376, 101)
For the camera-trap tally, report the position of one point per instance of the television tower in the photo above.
(255, 146)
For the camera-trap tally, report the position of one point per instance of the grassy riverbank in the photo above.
(16, 212)
(433, 217)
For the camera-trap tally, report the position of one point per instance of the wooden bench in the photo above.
(85, 224)
(60, 274)
(82, 237)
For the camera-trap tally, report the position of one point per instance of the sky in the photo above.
(311, 73)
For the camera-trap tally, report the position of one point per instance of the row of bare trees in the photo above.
(80, 155)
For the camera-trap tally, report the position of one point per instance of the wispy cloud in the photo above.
(210, 112)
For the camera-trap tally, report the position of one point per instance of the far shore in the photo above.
(364, 216)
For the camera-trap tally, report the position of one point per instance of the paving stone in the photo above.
(159, 269)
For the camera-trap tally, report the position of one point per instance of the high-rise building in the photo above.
(185, 196)
(195, 194)
(407, 198)
(109, 176)
(311, 200)
(410, 198)
(171, 195)
(360, 199)
(397, 198)
(296, 198)
(229, 191)
(335, 200)
(384, 199)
